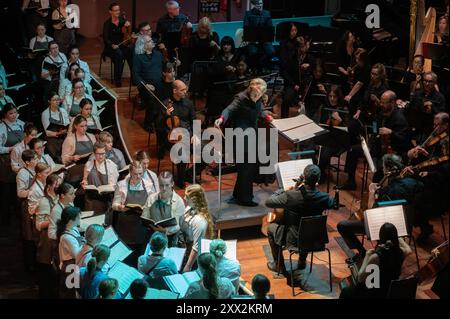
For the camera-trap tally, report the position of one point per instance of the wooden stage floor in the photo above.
(252, 245)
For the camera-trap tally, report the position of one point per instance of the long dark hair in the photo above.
(51, 180)
(208, 264)
(8, 107)
(68, 214)
(388, 249)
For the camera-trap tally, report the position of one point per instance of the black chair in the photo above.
(103, 57)
(403, 289)
(312, 237)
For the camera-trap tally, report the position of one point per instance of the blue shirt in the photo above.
(89, 286)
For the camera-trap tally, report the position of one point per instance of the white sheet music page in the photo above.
(118, 253)
(177, 283)
(291, 122)
(110, 237)
(125, 275)
(87, 221)
(287, 171)
(376, 217)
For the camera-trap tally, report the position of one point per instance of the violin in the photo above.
(434, 138)
(172, 123)
(129, 37)
(425, 164)
(331, 121)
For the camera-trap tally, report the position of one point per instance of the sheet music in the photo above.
(110, 237)
(157, 294)
(231, 248)
(85, 222)
(287, 171)
(369, 159)
(125, 275)
(118, 253)
(177, 283)
(375, 218)
(303, 133)
(291, 122)
(87, 214)
(174, 253)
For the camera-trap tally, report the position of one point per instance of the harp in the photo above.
(421, 31)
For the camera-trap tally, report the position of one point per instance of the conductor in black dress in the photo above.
(244, 112)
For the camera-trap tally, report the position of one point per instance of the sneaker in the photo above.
(273, 267)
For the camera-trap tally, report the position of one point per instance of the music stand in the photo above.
(259, 34)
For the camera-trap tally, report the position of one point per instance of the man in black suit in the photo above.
(301, 201)
(244, 112)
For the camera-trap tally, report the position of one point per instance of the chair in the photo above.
(103, 57)
(403, 289)
(312, 237)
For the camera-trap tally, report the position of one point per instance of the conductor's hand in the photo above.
(114, 46)
(385, 131)
(218, 122)
(169, 110)
(269, 118)
(150, 87)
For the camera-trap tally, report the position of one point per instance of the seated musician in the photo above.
(301, 201)
(181, 107)
(16, 154)
(164, 204)
(4, 99)
(396, 188)
(220, 95)
(167, 81)
(426, 103)
(388, 255)
(98, 172)
(93, 121)
(65, 84)
(315, 96)
(38, 146)
(296, 70)
(335, 101)
(133, 190)
(147, 69)
(346, 52)
(112, 153)
(433, 201)
(441, 34)
(72, 102)
(64, 35)
(413, 77)
(54, 121)
(74, 57)
(155, 266)
(113, 38)
(359, 81)
(76, 149)
(173, 21)
(51, 66)
(204, 43)
(257, 17)
(393, 136)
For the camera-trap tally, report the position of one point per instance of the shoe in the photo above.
(248, 204)
(231, 200)
(273, 267)
(355, 259)
(348, 186)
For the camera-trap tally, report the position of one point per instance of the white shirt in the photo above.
(60, 114)
(34, 196)
(120, 195)
(196, 289)
(83, 65)
(55, 216)
(113, 174)
(16, 126)
(69, 245)
(43, 213)
(23, 181)
(60, 59)
(16, 156)
(197, 227)
(44, 39)
(45, 158)
(70, 99)
(149, 176)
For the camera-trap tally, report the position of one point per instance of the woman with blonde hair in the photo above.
(197, 223)
(204, 42)
(226, 268)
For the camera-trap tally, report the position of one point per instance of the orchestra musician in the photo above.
(393, 136)
(358, 78)
(113, 38)
(144, 30)
(244, 112)
(371, 100)
(433, 201)
(204, 43)
(147, 69)
(414, 77)
(346, 55)
(165, 204)
(441, 34)
(303, 200)
(64, 36)
(396, 187)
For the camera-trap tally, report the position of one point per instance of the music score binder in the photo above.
(298, 129)
(288, 171)
(377, 217)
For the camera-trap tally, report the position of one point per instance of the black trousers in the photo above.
(351, 163)
(243, 189)
(348, 230)
(290, 99)
(151, 107)
(118, 57)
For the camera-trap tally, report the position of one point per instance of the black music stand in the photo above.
(259, 34)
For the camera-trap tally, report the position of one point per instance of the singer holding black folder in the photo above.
(55, 122)
(301, 201)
